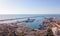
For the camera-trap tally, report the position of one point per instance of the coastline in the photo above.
(22, 30)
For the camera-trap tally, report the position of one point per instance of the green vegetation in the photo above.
(38, 34)
(49, 32)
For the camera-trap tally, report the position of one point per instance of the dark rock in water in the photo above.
(33, 30)
(30, 20)
(41, 27)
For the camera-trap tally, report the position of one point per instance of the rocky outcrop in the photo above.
(10, 29)
(13, 29)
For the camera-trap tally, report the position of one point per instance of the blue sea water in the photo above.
(38, 18)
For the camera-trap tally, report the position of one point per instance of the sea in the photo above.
(35, 24)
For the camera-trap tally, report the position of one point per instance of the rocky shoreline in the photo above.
(12, 29)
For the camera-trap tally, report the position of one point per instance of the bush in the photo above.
(49, 32)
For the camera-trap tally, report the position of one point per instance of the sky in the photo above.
(29, 6)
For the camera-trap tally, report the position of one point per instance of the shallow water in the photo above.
(38, 18)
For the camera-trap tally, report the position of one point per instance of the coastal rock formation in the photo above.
(13, 29)
(54, 24)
